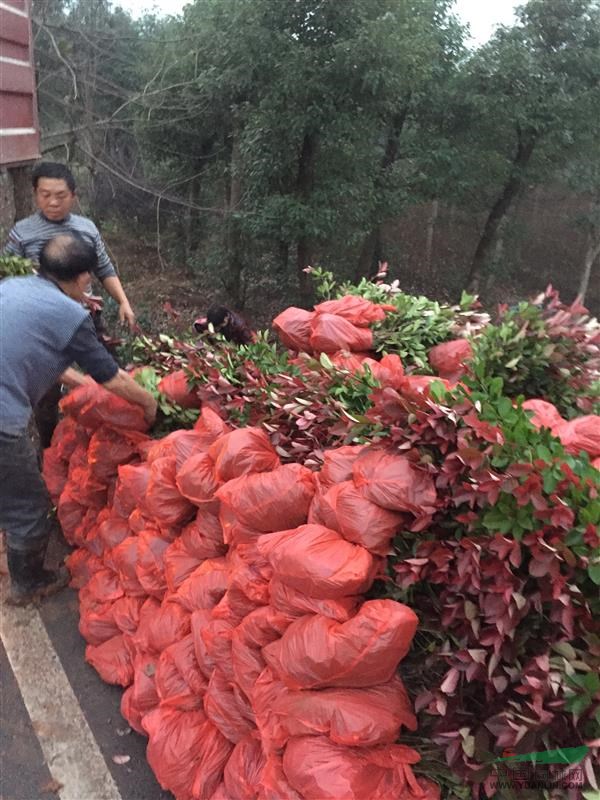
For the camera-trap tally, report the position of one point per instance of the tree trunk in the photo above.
(371, 251)
(514, 183)
(234, 248)
(435, 210)
(304, 185)
(591, 254)
(370, 254)
(23, 198)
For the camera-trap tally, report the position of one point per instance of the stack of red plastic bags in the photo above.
(225, 592)
(334, 325)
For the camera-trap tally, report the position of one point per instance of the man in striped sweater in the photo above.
(55, 195)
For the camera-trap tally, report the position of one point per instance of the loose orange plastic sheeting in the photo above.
(293, 326)
(330, 333)
(317, 652)
(417, 388)
(449, 359)
(243, 451)
(270, 501)
(318, 561)
(393, 482)
(357, 310)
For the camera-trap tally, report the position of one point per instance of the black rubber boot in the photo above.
(30, 582)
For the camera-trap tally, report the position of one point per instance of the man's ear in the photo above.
(84, 280)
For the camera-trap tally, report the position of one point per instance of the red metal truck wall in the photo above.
(19, 133)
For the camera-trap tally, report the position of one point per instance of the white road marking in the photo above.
(69, 747)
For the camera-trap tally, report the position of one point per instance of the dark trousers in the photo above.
(24, 501)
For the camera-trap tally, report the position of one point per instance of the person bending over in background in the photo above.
(226, 322)
(55, 195)
(43, 329)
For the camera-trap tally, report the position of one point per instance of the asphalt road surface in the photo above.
(62, 736)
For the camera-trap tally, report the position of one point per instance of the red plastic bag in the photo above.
(582, 433)
(545, 414)
(317, 652)
(449, 359)
(179, 682)
(243, 771)
(337, 464)
(259, 628)
(223, 709)
(97, 407)
(70, 513)
(161, 626)
(55, 472)
(357, 310)
(111, 660)
(199, 620)
(243, 451)
(124, 559)
(131, 487)
(196, 479)
(177, 389)
(175, 747)
(330, 333)
(150, 566)
(142, 696)
(215, 750)
(275, 785)
(205, 586)
(163, 499)
(178, 564)
(320, 770)
(270, 501)
(203, 538)
(393, 482)
(318, 561)
(353, 717)
(108, 449)
(293, 603)
(126, 613)
(66, 437)
(112, 531)
(344, 509)
(293, 326)
(105, 586)
(389, 371)
(97, 626)
(82, 565)
(179, 445)
(250, 573)
(417, 388)
(210, 426)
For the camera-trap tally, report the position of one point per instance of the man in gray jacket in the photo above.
(43, 330)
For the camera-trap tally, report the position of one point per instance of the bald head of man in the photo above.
(69, 261)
